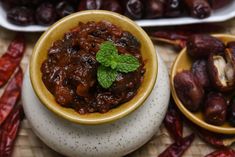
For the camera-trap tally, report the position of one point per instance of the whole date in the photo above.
(215, 109)
(20, 16)
(202, 45)
(46, 14)
(189, 90)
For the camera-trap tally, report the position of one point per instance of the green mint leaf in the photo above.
(111, 63)
(127, 63)
(107, 54)
(106, 76)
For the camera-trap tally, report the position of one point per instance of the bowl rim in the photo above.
(78, 119)
(184, 110)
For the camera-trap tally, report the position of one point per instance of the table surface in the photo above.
(28, 145)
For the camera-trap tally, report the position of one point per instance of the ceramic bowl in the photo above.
(115, 139)
(57, 30)
(184, 62)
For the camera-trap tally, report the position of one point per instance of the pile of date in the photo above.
(46, 12)
(210, 83)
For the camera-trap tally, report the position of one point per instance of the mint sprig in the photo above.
(112, 63)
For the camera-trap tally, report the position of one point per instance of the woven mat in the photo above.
(28, 145)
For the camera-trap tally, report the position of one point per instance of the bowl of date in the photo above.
(203, 82)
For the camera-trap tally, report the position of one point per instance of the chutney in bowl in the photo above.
(70, 72)
(133, 97)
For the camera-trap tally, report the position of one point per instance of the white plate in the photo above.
(107, 140)
(219, 15)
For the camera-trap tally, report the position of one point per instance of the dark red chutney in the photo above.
(70, 71)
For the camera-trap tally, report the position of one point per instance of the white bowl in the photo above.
(107, 140)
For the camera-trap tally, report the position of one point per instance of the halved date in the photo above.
(222, 70)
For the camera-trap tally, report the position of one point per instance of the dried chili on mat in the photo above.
(173, 123)
(214, 139)
(11, 95)
(171, 35)
(9, 130)
(178, 35)
(10, 60)
(177, 149)
(210, 137)
(166, 38)
(222, 153)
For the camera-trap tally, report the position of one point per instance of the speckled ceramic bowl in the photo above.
(184, 62)
(57, 31)
(115, 139)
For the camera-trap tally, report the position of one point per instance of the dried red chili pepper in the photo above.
(172, 35)
(11, 95)
(173, 123)
(10, 60)
(210, 137)
(9, 130)
(178, 35)
(177, 149)
(214, 139)
(222, 153)
(187, 30)
(173, 38)
(201, 28)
